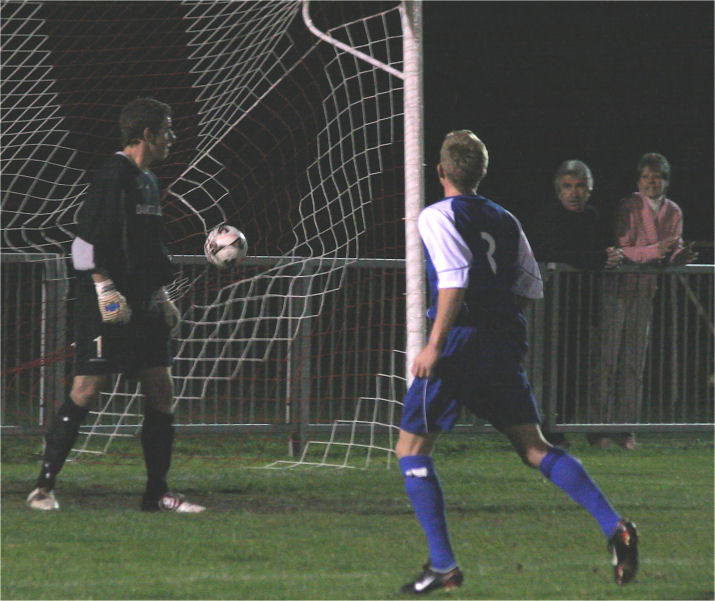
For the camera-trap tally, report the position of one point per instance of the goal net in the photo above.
(295, 139)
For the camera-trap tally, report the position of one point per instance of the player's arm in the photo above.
(626, 238)
(100, 276)
(683, 253)
(528, 285)
(95, 220)
(112, 305)
(451, 258)
(449, 303)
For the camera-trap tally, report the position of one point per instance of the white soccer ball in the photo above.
(225, 246)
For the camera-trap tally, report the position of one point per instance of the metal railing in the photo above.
(337, 356)
(628, 349)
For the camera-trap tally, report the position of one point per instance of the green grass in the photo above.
(351, 534)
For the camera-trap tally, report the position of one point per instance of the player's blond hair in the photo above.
(464, 158)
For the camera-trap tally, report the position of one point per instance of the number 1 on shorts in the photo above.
(98, 341)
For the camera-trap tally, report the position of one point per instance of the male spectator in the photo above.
(569, 230)
(481, 271)
(124, 318)
(649, 227)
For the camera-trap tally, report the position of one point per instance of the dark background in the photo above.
(602, 82)
(539, 82)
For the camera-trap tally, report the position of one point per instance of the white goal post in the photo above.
(412, 75)
(414, 180)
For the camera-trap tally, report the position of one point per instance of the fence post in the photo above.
(537, 336)
(299, 360)
(54, 336)
(552, 292)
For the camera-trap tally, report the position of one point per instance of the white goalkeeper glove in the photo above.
(112, 304)
(172, 316)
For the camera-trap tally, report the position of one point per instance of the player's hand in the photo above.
(425, 362)
(172, 315)
(614, 257)
(112, 305)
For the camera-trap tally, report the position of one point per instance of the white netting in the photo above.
(353, 443)
(40, 183)
(294, 141)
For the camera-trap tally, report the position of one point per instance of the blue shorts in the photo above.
(481, 371)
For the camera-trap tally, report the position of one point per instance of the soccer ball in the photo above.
(225, 246)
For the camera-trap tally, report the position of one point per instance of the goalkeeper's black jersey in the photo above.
(121, 224)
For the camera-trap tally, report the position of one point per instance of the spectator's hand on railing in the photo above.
(667, 245)
(614, 257)
(684, 255)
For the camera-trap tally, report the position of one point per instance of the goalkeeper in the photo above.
(481, 270)
(124, 319)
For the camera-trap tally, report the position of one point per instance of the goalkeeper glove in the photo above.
(112, 305)
(172, 316)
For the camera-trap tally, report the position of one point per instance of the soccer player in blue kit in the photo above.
(481, 271)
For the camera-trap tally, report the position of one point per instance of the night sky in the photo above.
(602, 82)
(539, 82)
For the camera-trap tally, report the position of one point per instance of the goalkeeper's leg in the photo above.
(157, 435)
(62, 435)
(157, 441)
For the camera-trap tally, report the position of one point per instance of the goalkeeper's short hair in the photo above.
(140, 114)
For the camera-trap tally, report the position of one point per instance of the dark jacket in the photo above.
(558, 235)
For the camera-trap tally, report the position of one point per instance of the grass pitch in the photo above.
(351, 534)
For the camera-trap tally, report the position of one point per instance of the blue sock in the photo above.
(425, 493)
(569, 475)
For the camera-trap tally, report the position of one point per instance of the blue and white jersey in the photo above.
(473, 243)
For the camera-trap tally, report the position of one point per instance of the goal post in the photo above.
(414, 180)
(411, 74)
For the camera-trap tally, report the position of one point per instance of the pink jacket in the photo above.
(638, 231)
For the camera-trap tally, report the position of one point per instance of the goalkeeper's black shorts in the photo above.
(103, 348)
